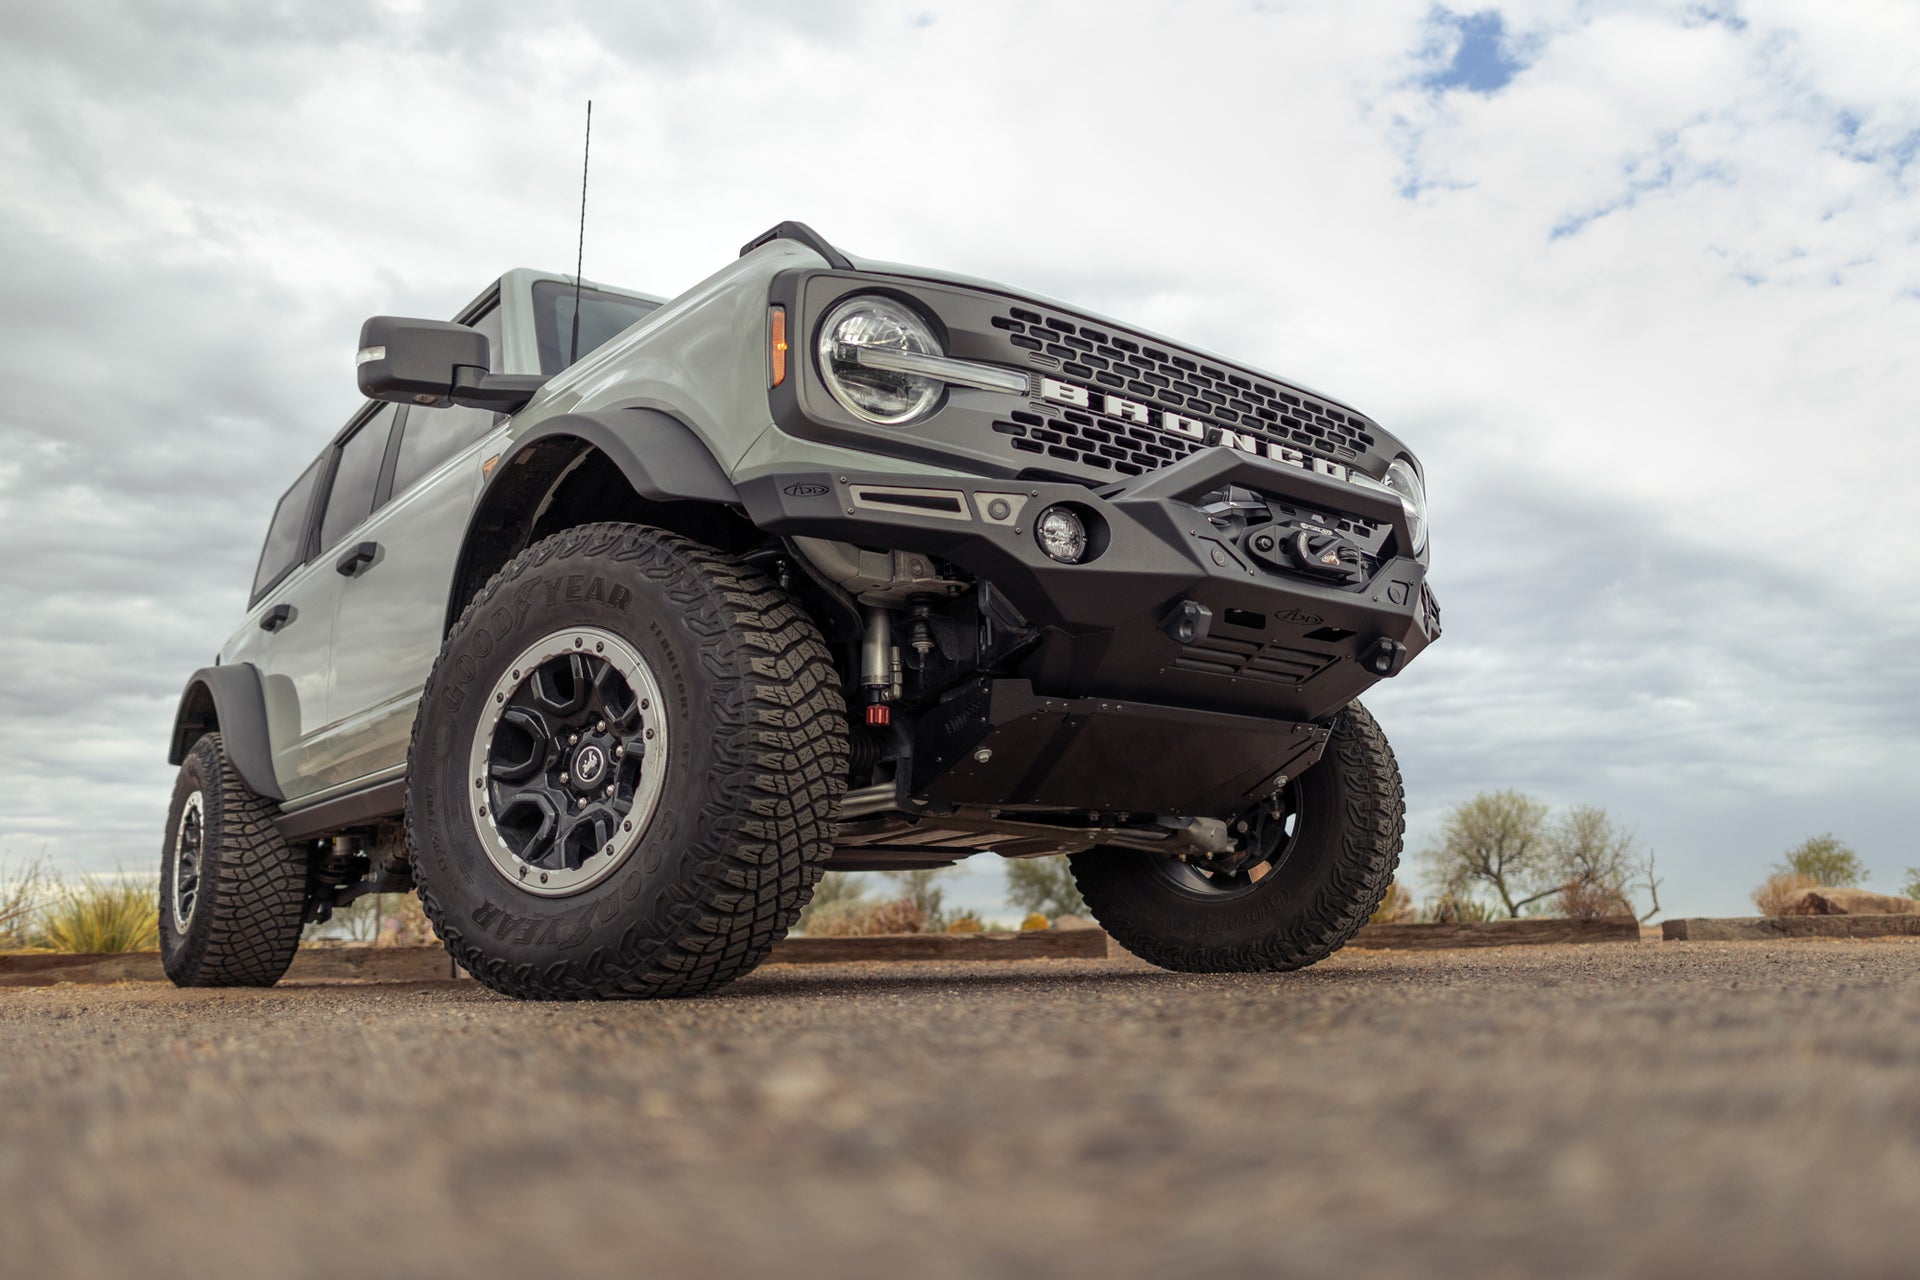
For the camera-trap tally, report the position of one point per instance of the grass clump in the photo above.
(23, 891)
(99, 916)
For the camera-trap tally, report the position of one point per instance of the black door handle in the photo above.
(277, 617)
(357, 555)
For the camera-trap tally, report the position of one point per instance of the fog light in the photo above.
(1062, 534)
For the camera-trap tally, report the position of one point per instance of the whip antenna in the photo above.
(580, 255)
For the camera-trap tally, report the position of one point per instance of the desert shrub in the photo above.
(1592, 900)
(1044, 885)
(92, 916)
(1823, 860)
(403, 921)
(965, 922)
(922, 888)
(1034, 920)
(836, 891)
(1453, 908)
(861, 919)
(1912, 888)
(1395, 908)
(1779, 889)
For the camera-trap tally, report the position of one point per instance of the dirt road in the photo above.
(1650, 1109)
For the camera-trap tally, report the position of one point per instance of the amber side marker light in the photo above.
(777, 318)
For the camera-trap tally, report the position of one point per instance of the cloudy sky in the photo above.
(1639, 281)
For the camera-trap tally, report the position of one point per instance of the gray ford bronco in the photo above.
(610, 623)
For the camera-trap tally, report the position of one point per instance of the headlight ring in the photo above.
(885, 397)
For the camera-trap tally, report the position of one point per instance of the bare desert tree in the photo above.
(1599, 866)
(1582, 865)
(1499, 840)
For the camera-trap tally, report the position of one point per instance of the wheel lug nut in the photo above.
(609, 789)
(600, 726)
(572, 738)
(563, 777)
(543, 877)
(618, 752)
(523, 873)
(582, 802)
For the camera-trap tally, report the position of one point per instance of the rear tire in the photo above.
(1327, 879)
(232, 890)
(625, 770)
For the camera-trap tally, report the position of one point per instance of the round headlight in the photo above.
(1062, 534)
(886, 397)
(1405, 482)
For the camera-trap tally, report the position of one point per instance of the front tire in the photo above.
(625, 769)
(232, 890)
(1324, 881)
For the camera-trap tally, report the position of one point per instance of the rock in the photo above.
(1822, 901)
(1063, 923)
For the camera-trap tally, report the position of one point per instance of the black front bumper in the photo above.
(1265, 641)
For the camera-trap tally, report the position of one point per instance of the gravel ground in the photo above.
(1650, 1109)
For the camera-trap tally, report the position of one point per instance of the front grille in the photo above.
(1143, 371)
(1249, 660)
(1072, 435)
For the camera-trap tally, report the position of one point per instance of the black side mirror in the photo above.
(433, 362)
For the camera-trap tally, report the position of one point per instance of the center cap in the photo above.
(589, 764)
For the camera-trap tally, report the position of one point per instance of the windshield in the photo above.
(602, 316)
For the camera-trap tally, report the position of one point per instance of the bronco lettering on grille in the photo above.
(1176, 424)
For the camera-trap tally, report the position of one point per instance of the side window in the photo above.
(434, 435)
(603, 317)
(351, 499)
(287, 535)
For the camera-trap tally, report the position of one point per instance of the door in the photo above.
(289, 631)
(388, 617)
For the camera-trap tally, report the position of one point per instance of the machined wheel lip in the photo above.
(189, 846)
(601, 645)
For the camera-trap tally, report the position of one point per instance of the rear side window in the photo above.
(350, 500)
(287, 535)
(434, 435)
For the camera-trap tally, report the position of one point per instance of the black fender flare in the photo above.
(230, 701)
(659, 455)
